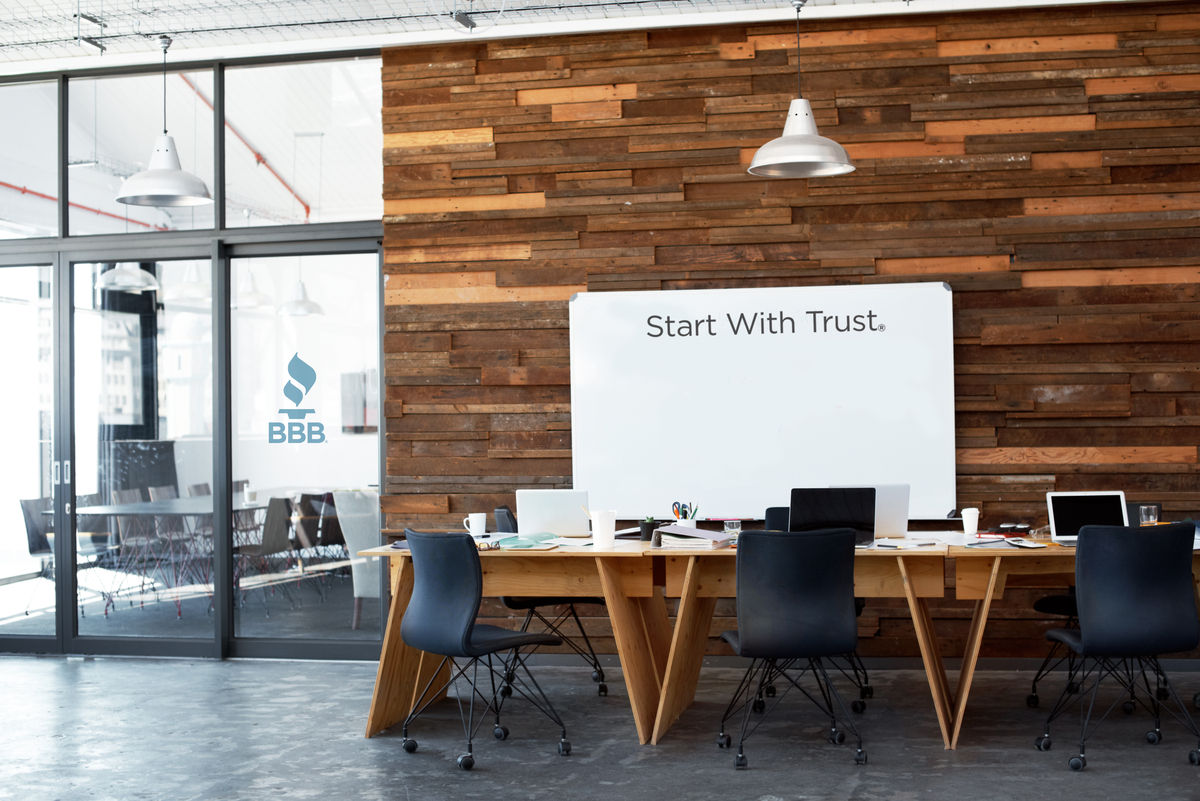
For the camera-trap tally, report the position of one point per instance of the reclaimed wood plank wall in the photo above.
(1044, 162)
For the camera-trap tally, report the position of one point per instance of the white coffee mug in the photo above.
(970, 521)
(476, 523)
(604, 528)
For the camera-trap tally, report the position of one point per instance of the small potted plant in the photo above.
(647, 528)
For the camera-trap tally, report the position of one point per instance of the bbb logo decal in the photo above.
(302, 378)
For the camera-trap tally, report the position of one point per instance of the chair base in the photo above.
(554, 626)
(515, 675)
(1083, 683)
(752, 691)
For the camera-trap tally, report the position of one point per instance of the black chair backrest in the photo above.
(277, 528)
(506, 521)
(795, 593)
(776, 518)
(447, 584)
(1133, 587)
(37, 525)
(331, 527)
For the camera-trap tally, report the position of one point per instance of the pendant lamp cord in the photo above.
(165, 41)
(799, 4)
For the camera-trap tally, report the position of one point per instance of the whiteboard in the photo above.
(728, 398)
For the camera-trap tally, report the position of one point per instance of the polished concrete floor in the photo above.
(122, 729)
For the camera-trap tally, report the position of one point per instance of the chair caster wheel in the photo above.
(723, 740)
(410, 746)
(506, 690)
(1043, 743)
(739, 761)
(759, 705)
(837, 736)
(858, 706)
(597, 675)
(500, 732)
(860, 757)
(866, 691)
(602, 690)
(1072, 687)
(769, 690)
(1194, 756)
(1077, 762)
(1031, 700)
(564, 747)
(1154, 737)
(1127, 707)
(1196, 700)
(510, 676)
(466, 761)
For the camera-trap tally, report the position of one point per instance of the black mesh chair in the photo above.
(1136, 600)
(506, 523)
(795, 609)
(440, 619)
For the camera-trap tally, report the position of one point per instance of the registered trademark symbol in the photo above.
(881, 327)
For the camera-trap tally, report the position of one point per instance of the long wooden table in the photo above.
(660, 662)
(981, 575)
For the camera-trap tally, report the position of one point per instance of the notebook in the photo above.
(834, 507)
(891, 510)
(552, 511)
(1071, 510)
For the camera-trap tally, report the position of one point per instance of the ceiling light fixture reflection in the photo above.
(164, 182)
(801, 152)
(127, 277)
(300, 305)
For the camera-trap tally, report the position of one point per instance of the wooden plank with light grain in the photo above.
(396, 676)
(931, 657)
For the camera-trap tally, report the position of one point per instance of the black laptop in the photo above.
(834, 507)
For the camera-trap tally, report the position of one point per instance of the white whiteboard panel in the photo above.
(728, 398)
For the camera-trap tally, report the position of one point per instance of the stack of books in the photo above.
(675, 536)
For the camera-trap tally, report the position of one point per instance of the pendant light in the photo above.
(127, 277)
(801, 152)
(248, 296)
(163, 182)
(300, 305)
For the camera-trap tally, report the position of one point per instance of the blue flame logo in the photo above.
(302, 379)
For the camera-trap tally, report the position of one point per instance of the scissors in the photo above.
(680, 510)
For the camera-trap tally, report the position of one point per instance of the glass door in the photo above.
(142, 368)
(27, 555)
(305, 446)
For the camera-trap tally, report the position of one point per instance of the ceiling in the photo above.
(52, 35)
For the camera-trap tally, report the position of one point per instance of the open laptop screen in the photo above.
(1069, 511)
(834, 507)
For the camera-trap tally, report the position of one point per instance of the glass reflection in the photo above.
(143, 448)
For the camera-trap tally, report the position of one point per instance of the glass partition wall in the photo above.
(196, 431)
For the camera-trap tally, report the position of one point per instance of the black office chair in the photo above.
(1136, 601)
(777, 518)
(795, 608)
(506, 523)
(440, 619)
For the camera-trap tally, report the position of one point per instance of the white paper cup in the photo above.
(686, 523)
(970, 521)
(604, 528)
(476, 523)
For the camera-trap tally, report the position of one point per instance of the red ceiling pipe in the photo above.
(258, 157)
(24, 190)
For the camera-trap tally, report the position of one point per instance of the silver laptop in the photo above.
(1069, 511)
(891, 509)
(552, 511)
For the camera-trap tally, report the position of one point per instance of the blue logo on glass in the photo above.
(302, 377)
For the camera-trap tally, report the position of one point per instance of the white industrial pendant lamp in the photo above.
(300, 305)
(127, 277)
(163, 182)
(801, 152)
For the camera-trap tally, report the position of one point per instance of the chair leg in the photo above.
(356, 615)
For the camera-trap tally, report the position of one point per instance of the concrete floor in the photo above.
(121, 729)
